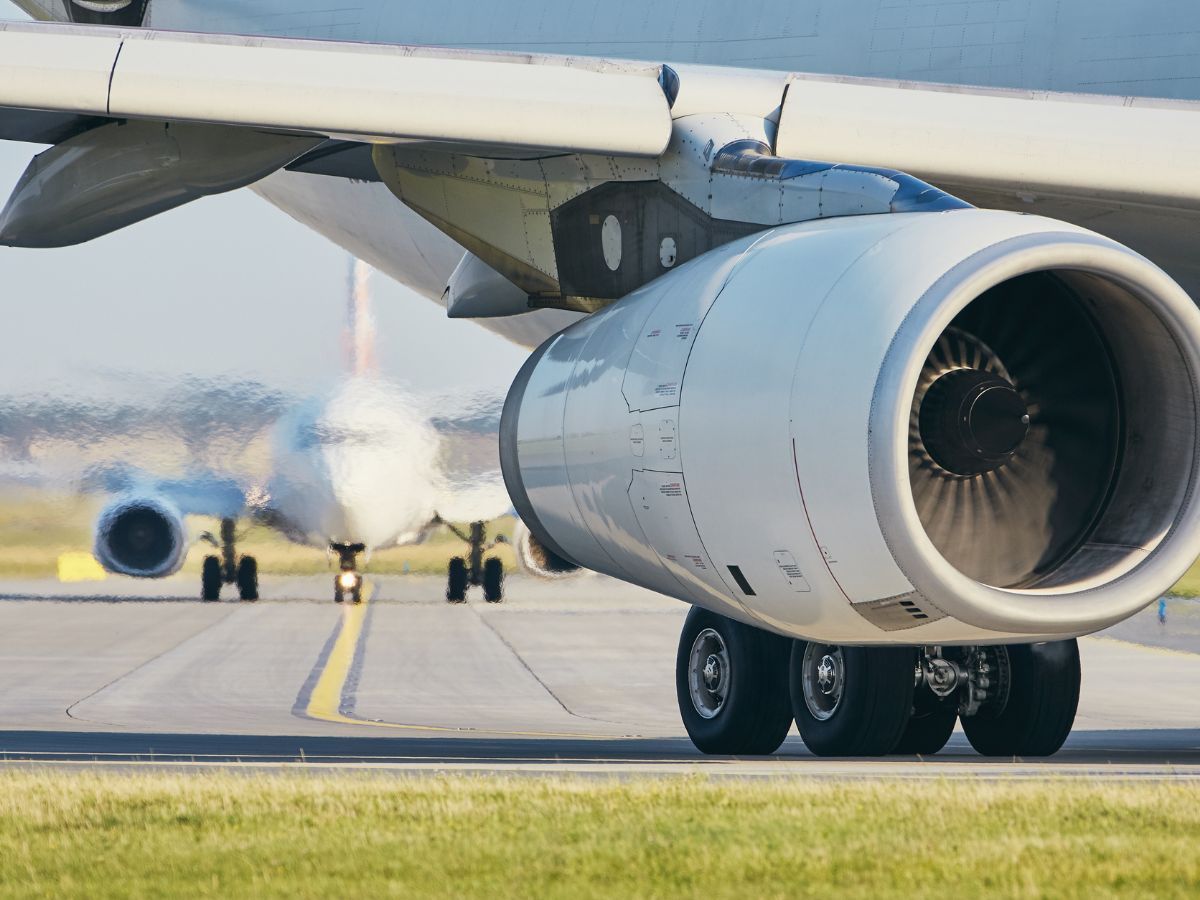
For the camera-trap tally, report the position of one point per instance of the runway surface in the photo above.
(574, 676)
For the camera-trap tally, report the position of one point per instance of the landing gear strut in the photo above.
(349, 581)
(227, 568)
(475, 570)
(739, 689)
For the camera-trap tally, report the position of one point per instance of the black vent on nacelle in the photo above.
(740, 578)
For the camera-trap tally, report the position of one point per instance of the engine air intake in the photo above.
(140, 537)
(1016, 431)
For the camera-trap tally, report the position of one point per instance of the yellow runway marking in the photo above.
(75, 567)
(325, 702)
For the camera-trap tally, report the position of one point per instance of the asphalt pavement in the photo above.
(565, 676)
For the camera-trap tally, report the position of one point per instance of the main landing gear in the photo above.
(475, 570)
(739, 689)
(227, 568)
(349, 581)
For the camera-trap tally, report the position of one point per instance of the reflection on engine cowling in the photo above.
(536, 559)
(961, 426)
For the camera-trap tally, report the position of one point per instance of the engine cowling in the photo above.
(929, 428)
(143, 537)
(534, 558)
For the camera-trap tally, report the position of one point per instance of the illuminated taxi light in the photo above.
(348, 580)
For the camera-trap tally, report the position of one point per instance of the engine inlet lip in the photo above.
(1077, 607)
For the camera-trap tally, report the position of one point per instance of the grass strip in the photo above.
(88, 834)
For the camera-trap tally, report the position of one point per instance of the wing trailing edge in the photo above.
(371, 92)
(1027, 144)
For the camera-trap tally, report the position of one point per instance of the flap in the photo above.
(372, 92)
(1028, 144)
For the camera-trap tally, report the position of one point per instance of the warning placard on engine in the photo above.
(791, 571)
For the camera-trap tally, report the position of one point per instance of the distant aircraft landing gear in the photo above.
(349, 581)
(227, 568)
(475, 570)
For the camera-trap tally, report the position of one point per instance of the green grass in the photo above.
(1189, 585)
(225, 835)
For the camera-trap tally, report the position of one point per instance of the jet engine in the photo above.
(143, 537)
(961, 427)
(535, 559)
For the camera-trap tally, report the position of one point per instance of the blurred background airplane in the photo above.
(362, 466)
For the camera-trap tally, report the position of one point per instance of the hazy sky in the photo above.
(228, 286)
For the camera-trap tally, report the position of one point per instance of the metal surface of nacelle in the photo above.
(932, 428)
(142, 537)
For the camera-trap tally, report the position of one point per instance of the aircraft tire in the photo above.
(247, 578)
(457, 581)
(493, 580)
(210, 579)
(851, 701)
(731, 685)
(927, 731)
(1043, 697)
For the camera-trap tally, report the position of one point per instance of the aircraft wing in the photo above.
(1110, 149)
(198, 114)
(200, 493)
(466, 139)
(1068, 145)
(372, 92)
(1124, 166)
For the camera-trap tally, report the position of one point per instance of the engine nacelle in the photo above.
(143, 537)
(536, 559)
(928, 428)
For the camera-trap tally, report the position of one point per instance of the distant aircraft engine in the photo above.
(143, 537)
(535, 559)
(932, 428)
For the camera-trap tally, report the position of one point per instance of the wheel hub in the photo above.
(823, 671)
(712, 672)
(709, 673)
(826, 675)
